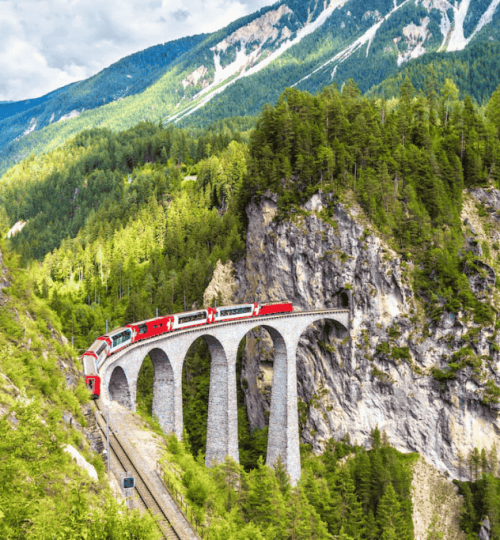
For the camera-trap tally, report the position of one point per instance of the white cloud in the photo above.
(45, 44)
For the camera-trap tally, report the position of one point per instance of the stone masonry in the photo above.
(119, 374)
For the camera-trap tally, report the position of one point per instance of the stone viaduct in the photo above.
(119, 375)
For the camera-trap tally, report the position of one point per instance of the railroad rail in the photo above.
(168, 527)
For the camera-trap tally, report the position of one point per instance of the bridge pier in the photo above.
(163, 391)
(283, 421)
(222, 429)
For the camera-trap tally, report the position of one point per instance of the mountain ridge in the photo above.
(238, 69)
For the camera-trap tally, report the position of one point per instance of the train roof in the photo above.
(149, 320)
(116, 331)
(189, 312)
(235, 306)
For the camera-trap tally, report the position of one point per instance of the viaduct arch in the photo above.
(120, 372)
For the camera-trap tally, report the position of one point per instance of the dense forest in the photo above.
(119, 225)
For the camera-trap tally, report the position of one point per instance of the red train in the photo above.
(120, 338)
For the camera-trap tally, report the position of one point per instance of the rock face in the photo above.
(484, 533)
(4, 282)
(378, 373)
(436, 504)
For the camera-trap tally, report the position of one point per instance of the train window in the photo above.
(235, 311)
(91, 384)
(121, 338)
(161, 325)
(193, 317)
(155, 326)
(101, 348)
(143, 328)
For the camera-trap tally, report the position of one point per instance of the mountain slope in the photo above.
(127, 77)
(310, 44)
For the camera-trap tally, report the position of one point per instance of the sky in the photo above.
(46, 44)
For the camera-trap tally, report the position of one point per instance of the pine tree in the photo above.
(352, 518)
(263, 501)
(390, 518)
(492, 503)
(302, 519)
(362, 477)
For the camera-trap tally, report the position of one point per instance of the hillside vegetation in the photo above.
(45, 495)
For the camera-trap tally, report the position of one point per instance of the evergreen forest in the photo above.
(121, 225)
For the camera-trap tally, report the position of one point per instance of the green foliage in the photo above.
(481, 498)
(46, 495)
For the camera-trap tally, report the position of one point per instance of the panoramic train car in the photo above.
(98, 351)
(231, 313)
(194, 318)
(117, 339)
(151, 327)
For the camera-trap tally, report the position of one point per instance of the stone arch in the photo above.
(119, 389)
(222, 428)
(163, 389)
(279, 417)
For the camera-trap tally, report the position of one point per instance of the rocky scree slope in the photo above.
(379, 372)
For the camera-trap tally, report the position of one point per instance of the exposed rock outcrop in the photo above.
(379, 372)
(222, 287)
(484, 533)
(436, 504)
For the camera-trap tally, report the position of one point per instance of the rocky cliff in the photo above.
(379, 371)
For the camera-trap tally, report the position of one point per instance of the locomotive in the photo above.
(118, 339)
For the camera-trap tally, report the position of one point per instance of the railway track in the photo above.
(146, 496)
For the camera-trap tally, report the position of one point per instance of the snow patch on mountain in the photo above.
(259, 31)
(415, 37)
(240, 62)
(457, 41)
(486, 18)
(445, 25)
(70, 115)
(30, 128)
(344, 54)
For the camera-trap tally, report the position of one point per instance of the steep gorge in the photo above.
(379, 373)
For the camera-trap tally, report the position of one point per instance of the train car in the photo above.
(117, 339)
(194, 318)
(92, 379)
(152, 327)
(275, 308)
(231, 313)
(98, 351)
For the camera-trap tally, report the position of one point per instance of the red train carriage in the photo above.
(92, 379)
(152, 327)
(275, 308)
(120, 338)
